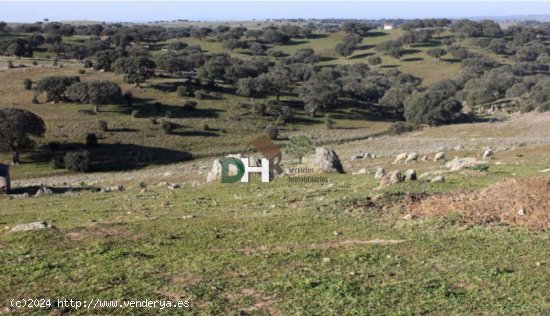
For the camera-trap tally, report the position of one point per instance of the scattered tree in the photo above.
(299, 147)
(18, 128)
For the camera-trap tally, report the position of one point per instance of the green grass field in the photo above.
(274, 248)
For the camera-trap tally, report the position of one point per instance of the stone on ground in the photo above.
(30, 226)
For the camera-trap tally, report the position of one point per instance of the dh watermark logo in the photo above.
(268, 165)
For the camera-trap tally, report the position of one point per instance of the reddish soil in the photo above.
(523, 202)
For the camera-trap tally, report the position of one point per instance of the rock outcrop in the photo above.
(325, 160)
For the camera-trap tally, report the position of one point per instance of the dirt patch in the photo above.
(94, 232)
(261, 301)
(523, 202)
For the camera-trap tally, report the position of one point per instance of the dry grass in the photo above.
(523, 202)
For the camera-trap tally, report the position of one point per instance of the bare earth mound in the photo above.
(524, 202)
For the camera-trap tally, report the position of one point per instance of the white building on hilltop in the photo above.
(388, 26)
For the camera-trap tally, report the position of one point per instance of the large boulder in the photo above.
(325, 160)
(216, 171)
(460, 163)
(410, 175)
(392, 177)
(4, 179)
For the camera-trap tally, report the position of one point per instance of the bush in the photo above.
(168, 127)
(300, 146)
(544, 107)
(217, 95)
(154, 120)
(272, 132)
(35, 63)
(103, 125)
(27, 84)
(184, 91)
(259, 108)
(481, 167)
(135, 113)
(190, 105)
(57, 162)
(88, 63)
(35, 99)
(329, 122)
(205, 127)
(286, 113)
(77, 161)
(10, 64)
(81, 71)
(525, 107)
(91, 140)
(168, 114)
(200, 95)
(399, 128)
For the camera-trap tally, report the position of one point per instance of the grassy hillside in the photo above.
(276, 248)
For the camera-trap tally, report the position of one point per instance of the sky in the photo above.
(145, 11)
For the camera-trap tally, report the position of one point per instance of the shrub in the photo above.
(329, 122)
(205, 127)
(35, 99)
(35, 63)
(189, 105)
(88, 63)
(57, 162)
(481, 167)
(168, 127)
(27, 84)
(399, 128)
(135, 113)
(544, 107)
(259, 108)
(81, 71)
(103, 125)
(200, 95)
(77, 161)
(91, 140)
(10, 64)
(526, 107)
(300, 146)
(154, 120)
(272, 132)
(184, 91)
(286, 113)
(168, 114)
(217, 95)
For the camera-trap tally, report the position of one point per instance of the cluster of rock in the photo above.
(459, 163)
(394, 176)
(324, 160)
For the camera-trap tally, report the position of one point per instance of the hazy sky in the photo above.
(142, 11)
